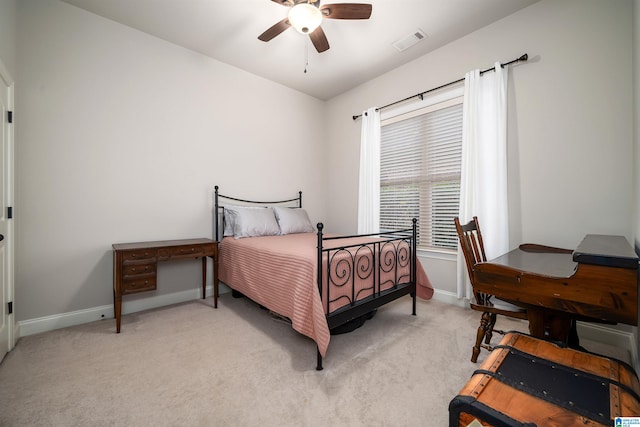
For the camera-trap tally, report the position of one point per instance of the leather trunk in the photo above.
(530, 382)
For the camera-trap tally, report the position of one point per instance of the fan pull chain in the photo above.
(306, 55)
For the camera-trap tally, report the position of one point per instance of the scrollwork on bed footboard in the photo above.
(357, 268)
(350, 273)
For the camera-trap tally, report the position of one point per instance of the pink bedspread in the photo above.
(280, 273)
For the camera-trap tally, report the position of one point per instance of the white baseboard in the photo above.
(63, 320)
(609, 336)
(605, 335)
(449, 298)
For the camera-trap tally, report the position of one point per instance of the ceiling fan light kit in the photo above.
(306, 16)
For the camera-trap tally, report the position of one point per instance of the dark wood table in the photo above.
(598, 282)
(135, 265)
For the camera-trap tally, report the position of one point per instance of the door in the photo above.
(6, 203)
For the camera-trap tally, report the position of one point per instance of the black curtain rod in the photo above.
(421, 94)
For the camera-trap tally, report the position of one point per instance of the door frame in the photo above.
(10, 83)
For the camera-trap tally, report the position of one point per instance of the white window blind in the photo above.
(420, 172)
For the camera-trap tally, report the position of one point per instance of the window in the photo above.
(420, 158)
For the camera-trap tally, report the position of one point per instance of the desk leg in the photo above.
(204, 277)
(548, 326)
(117, 288)
(215, 278)
(117, 307)
(536, 324)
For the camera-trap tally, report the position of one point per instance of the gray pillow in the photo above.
(252, 222)
(293, 220)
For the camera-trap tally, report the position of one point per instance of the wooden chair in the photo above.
(473, 249)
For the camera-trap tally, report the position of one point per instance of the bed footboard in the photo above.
(357, 274)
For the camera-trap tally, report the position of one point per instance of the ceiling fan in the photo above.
(306, 17)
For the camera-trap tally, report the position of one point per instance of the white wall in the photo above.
(121, 137)
(8, 35)
(570, 123)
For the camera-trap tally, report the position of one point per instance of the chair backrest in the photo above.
(472, 247)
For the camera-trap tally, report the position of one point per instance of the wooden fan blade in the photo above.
(274, 30)
(288, 3)
(346, 11)
(319, 40)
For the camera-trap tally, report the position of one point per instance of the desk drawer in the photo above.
(132, 269)
(141, 283)
(187, 251)
(139, 254)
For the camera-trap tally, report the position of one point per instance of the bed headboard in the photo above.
(221, 199)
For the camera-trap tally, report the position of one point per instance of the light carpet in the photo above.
(193, 365)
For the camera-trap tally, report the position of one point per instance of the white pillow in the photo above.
(293, 220)
(251, 222)
(228, 223)
(229, 218)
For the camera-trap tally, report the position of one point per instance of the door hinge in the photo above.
(10, 116)
(10, 304)
(9, 212)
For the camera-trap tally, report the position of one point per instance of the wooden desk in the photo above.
(135, 265)
(597, 282)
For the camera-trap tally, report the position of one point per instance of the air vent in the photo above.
(409, 40)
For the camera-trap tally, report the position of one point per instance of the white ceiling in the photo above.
(227, 30)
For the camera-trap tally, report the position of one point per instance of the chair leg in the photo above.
(489, 333)
(485, 320)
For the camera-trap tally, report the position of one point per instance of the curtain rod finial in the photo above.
(524, 57)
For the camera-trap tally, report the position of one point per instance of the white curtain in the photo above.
(369, 189)
(483, 181)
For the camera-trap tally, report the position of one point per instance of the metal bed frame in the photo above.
(363, 261)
